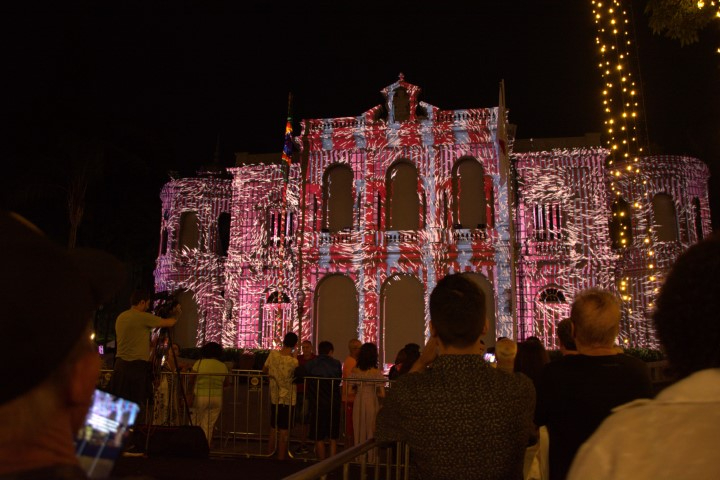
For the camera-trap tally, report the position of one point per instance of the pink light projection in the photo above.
(381, 206)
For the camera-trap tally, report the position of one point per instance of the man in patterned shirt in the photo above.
(461, 417)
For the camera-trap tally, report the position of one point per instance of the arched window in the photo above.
(468, 194)
(164, 233)
(401, 105)
(163, 241)
(338, 198)
(223, 234)
(666, 226)
(621, 224)
(189, 232)
(403, 201)
(698, 219)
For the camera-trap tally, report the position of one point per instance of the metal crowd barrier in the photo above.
(397, 469)
(243, 424)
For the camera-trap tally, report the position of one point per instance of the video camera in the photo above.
(165, 302)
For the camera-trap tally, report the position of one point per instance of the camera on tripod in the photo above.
(165, 303)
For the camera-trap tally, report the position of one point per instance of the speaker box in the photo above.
(162, 441)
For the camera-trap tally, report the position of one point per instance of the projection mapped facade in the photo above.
(349, 239)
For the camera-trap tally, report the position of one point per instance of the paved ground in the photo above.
(179, 468)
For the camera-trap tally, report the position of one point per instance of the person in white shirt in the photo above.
(280, 367)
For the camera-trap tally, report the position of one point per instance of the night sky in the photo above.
(145, 88)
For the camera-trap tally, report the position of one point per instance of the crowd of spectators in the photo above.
(462, 416)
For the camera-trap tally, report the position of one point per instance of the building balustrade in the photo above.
(555, 247)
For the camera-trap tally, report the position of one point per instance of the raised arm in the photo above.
(428, 355)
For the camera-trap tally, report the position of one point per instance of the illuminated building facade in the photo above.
(350, 239)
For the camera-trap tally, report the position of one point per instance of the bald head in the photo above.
(595, 316)
(505, 352)
(505, 349)
(354, 347)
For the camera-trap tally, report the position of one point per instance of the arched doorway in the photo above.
(186, 330)
(336, 312)
(486, 287)
(403, 315)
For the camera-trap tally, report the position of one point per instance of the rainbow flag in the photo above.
(288, 146)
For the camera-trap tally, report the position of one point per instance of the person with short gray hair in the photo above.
(577, 392)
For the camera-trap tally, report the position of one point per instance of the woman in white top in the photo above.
(208, 389)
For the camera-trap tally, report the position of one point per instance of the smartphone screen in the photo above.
(100, 440)
(489, 357)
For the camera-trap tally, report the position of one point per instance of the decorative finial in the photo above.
(401, 77)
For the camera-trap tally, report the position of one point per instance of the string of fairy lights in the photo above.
(620, 91)
(623, 118)
(713, 4)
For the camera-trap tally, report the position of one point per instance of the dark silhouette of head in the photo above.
(457, 311)
(325, 348)
(686, 315)
(368, 357)
(140, 294)
(290, 340)
(530, 358)
(564, 334)
(412, 353)
(212, 350)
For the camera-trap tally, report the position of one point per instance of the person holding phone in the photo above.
(49, 296)
(451, 402)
